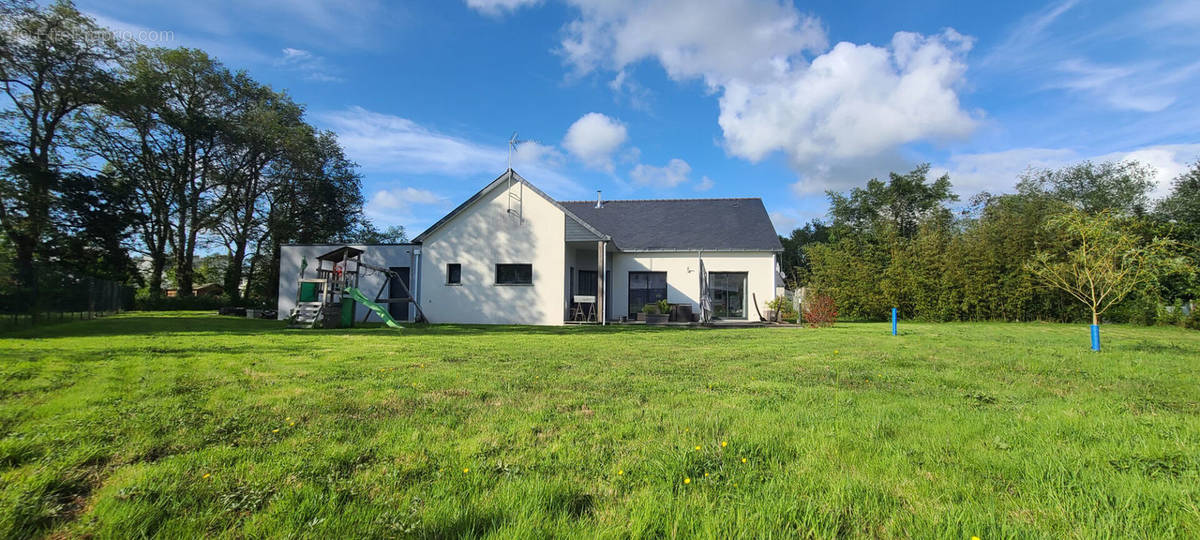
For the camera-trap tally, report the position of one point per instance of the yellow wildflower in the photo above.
(743, 460)
(466, 470)
(620, 472)
(276, 430)
(687, 480)
(206, 475)
(724, 444)
(697, 448)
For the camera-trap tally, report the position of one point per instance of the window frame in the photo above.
(514, 283)
(448, 274)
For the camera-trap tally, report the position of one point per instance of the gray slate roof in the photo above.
(682, 224)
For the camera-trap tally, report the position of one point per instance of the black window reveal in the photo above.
(587, 282)
(646, 288)
(453, 274)
(514, 274)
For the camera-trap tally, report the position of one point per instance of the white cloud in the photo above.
(388, 144)
(536, 154)
(312, 66)
(705, 184)
(852, 101)
(998, 172)
(1131, 87)
(855, 100)
(1168, 160)
(593, 139)
(1027, 35)
(784, 223)
(499, 7)
(734, 38)
(291, 56)
(1157, 68)
(840, 174)
(787, 220)
(394, 206)
(674, 173)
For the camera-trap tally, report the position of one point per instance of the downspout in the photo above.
(415, 290)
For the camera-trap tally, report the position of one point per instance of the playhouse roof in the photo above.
(337, 255)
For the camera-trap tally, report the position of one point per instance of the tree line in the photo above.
(127, 162)
(909, 242)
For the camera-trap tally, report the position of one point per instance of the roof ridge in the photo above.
(605, 201)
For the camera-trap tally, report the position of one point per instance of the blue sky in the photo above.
(679, 99)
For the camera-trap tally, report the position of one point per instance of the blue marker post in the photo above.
(894, 323)
(1096, 337)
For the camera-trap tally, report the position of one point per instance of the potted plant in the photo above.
(647, 310)
(657, 313)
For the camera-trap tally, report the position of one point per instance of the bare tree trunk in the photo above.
(158, 263)
(233, 274)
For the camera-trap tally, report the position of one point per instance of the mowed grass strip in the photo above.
(186, 424)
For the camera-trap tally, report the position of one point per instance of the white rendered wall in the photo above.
(483, 235)
(683, 278)
(370, 282)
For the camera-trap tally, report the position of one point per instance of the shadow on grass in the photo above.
(469, 525)
(142, 324)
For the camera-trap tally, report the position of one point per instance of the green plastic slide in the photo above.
(361, 298)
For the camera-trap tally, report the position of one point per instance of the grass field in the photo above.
(186, 424)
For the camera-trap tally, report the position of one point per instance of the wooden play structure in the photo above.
(329, 299)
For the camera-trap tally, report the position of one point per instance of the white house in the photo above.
(513, 255)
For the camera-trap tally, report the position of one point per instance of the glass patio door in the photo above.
(728, 291)
(646, 288)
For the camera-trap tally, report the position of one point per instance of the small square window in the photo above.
(514, 274)
(453, 274)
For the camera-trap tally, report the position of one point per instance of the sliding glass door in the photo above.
(728, 291)
(646, 288)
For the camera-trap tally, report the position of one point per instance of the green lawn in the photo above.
(187, 424)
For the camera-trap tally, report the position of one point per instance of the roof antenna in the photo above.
(512, 148)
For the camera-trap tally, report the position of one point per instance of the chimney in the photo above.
(598, 205)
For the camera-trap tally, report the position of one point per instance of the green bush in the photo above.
(1142, 309)
(144, 302)
(1193, 319)
(1171, 315)
(783, 306)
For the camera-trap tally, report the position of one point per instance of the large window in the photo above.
(514, 274)
(646, 288)
(454, 274)
(587, 283)
(728, 291)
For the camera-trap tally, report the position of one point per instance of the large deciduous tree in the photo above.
(1121, 187)
(318, 199)
(54, 62)
(794, 259)
(901, 203)
(252, 165)
(168, 133)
